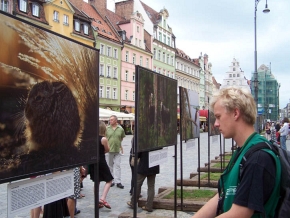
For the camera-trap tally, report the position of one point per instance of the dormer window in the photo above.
(86, 29)
(35, 9)
(22, 5)
(77, 26)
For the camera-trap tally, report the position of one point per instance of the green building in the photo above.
(268, 94)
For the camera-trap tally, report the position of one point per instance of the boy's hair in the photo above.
(102, 128)
(235, 97)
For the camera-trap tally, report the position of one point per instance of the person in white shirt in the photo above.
(284, 132)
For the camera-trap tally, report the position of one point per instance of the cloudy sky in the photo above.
(224, 30)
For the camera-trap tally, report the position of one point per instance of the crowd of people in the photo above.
(278, 132)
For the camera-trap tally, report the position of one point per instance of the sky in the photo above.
(224, 30)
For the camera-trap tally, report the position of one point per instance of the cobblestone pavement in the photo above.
(117, 197)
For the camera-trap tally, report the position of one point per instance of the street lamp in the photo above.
(256, 82)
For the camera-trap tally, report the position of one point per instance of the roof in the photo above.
(152, 14)
(183, 55)
(115, 19)
(98, 23)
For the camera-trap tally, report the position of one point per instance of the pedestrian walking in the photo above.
(115, 134)
(284, 132)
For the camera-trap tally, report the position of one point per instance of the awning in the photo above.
(105, 114)
(203, 113)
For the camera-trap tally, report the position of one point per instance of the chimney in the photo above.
(100, 5)
(125, 8)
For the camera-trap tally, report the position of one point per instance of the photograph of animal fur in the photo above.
(189, 113)
(48, 101)
(156, 110)
(212, 129)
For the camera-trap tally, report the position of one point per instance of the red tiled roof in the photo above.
(183, 55)
(99, 24)
(152, 14)
(115, 19)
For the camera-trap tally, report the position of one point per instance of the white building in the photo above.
(235, 76)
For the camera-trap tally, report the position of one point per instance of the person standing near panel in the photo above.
(115, 134)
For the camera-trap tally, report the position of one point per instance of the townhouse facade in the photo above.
(235, 76)
(109, 44)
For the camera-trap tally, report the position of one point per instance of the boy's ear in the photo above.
(237, 113)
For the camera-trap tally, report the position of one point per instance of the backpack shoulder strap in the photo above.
(259, 146)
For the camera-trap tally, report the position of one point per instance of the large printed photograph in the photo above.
(156, 110)
(189, 115)
(212, 129)
(48, 101)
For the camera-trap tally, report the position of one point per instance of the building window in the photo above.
(102, 49)
(168, 41)
(22, 5)
(167, 59)
(101, 94)
(172, 61)
(115, 73)
(77, 26)
(230, 75)
(147, 62)
(136, 41)
(108, 71)
(234, 69)
(139, 43)
(126, 95)
(159, 70)
(134, 59)
(177, 65)
(101, 70)
(238, 75)
(233, 64)
(163, 57)
(127, 56)
(168, 73)
(35, 9)
(228, 83)
(172, 75)
(114, 93)
(133, 77)
(141, 61)
(133, 96)
(137, 29)
(108, 94)
(86, 29)
(4, 5)
(65, 19)
(115, 53)
(181, 67)
(159, 55)
(234, 75)
(109, 51)
(126, 75)
(164, 39)
(160, 36)
(154, 53)
(55, 16)
(234, 83)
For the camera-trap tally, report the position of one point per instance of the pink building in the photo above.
(136, 51)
